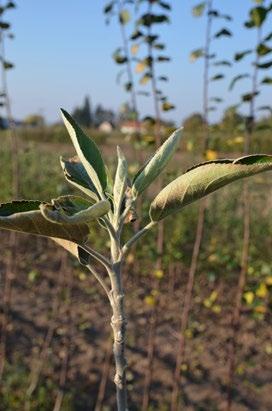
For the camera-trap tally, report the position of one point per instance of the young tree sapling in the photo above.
(68, 219)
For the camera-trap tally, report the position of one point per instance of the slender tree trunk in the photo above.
(129, 70)
(236, 314)
(235, 321)
(11, 261)
(206, 80)
(187, 306)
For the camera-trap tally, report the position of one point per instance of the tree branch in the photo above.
(100, 280)
(136, 237)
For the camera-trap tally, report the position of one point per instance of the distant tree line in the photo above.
(87, 117)
(231, 121)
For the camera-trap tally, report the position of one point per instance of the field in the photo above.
(58, 336)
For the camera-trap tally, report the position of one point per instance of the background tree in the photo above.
(34, 120)
(209, 104)
(258, 15)
(150, 50)
(5, 33)
(232, 120)
(83, 114)
(102, 114)
(195, 122)
(123, 56)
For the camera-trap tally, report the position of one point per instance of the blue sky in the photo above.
(62, 51)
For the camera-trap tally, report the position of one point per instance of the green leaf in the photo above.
(214, 13)
(204, 179)
(73, 210)
(26, 216)
(164, 5)
(263, 49)
(223, 32)
(149, 19)
(237, 78)
(154, 166)
(198, 10)
(265, 108)
(158, 46)
(249, 96)
(258, 15)
(265, 66)
(109, 7)
(217, 77)
(226, 17)
(249, 24)
(76, 174)
(268, 37)
(136, 35)
(267, 80)
(88, 153)
(7, 65)
(166, 106)
(163, 58)
(118, 57)
(124, 17)
(217, 99)
(239, 56)
(10, 5)
(4, 25)
(222, 63)
(120, 181)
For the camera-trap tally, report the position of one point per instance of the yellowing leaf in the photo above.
(268, 349)
(82, 276)
(268, 280)
(166, 106)
(188, 333)
(249, 297)
(211, 155)
(140, 67)
(145, 79)
(238, 140)
(212, 258)
(124, 16)
(207, 303)
(260, 309)
(158, 274)
(213, 296)
(190, 146)
(216, 308)
(130, 258)
(150, 300)
(262, 291)
(134, 49)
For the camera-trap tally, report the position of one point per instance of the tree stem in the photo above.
(118, 324)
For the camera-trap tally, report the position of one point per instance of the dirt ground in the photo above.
(53, 299)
